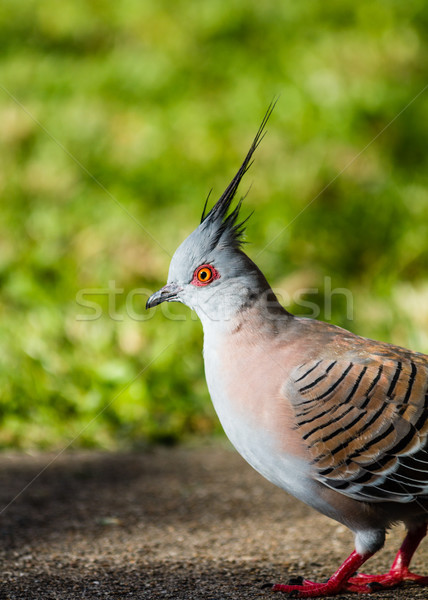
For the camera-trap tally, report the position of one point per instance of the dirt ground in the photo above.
(182, 523)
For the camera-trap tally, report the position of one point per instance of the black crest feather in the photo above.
(217, 215)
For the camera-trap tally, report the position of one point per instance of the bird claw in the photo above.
(375, 586)
(266, 586)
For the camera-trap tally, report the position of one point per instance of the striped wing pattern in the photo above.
(366, 425)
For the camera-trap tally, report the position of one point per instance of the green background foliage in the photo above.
(116, 120)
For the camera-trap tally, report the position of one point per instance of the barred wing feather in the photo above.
(366, 424)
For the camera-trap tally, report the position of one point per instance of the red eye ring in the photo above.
(204, 275)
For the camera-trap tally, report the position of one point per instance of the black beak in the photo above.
(167, 293)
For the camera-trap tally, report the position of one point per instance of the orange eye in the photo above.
(204, 274)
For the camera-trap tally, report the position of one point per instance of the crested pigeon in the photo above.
(337, 420)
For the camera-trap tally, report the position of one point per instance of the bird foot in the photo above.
(359, 584)
(392, 579)
(303, 588)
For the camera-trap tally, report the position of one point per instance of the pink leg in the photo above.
(399, 570)
(336, 584)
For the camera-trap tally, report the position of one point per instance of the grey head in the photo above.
(209, 272)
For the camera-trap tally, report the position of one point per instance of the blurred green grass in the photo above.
(117, 118)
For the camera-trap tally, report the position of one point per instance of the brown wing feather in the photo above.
(366, 423)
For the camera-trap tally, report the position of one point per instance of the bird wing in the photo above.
(365, 423)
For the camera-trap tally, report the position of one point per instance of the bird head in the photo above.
(209, 272)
